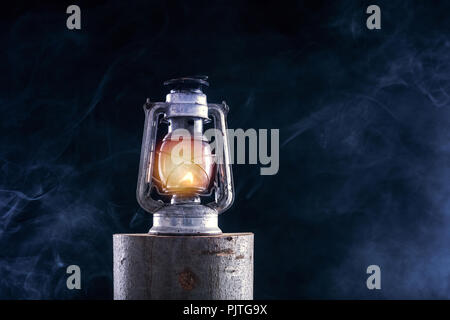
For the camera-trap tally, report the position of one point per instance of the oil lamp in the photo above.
(185, 191)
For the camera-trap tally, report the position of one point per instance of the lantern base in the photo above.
(185, 219)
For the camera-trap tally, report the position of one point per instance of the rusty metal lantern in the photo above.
(173, 187)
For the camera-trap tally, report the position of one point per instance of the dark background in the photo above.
(363, 116)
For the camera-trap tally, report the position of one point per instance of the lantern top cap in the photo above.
(188, 83)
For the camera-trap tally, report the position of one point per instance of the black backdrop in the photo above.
(364, 129)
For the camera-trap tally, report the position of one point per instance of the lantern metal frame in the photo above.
(186, 217)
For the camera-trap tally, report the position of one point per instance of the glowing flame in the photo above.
(188, 177)
(185, 172)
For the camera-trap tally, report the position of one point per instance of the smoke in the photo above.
(363, 118)
(406, 175)
(385, 150)
(60, 198)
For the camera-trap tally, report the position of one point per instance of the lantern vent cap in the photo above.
(189, 83)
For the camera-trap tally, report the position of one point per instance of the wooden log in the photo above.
(150, 266)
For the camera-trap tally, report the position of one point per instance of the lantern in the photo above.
(180, 172)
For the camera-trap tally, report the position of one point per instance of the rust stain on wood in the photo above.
(187, 279)
(220, 253)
